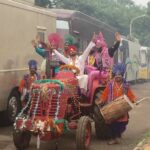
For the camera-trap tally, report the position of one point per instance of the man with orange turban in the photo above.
(78, 61)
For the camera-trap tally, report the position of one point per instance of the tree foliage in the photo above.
(117, 13)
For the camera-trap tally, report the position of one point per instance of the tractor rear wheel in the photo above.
(83, 133)
(21, 139)
(101, 129)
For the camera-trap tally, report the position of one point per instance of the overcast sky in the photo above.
(141, 2)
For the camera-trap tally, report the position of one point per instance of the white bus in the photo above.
(144, 67)
(129, 53)
(18, 26)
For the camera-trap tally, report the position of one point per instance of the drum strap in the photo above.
(110, 97)
(111, 85)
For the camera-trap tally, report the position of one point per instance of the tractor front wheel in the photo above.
(21, 139)
(83, 133)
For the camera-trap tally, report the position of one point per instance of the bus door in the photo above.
(143, 67)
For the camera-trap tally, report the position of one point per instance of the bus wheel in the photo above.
(83, 133)
(13, 108)
(21, 139)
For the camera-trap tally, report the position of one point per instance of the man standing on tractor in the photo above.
(116, 88)
(78, 61)
(45, 50)
(27, 80)
(69, 40)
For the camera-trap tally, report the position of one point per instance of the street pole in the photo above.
(132, 20)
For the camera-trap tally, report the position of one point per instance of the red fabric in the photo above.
(55, 38)
(26, 83)
(72, 49)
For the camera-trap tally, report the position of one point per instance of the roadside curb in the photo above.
(143, 145)
(139, 145)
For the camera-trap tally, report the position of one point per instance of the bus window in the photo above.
(62, 27)
(41, 32)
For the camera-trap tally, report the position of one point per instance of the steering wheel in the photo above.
(72, 68)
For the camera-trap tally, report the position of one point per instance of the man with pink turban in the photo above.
(45, 50)
(100, 59)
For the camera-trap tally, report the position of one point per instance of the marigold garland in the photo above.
(70, 67)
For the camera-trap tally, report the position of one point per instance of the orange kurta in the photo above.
(26, 84)
(117, 90)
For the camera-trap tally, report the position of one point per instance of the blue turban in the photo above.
(32, 64)
(119, 69)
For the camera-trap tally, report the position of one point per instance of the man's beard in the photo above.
(99, 50)
(118, 79)
(72, 55)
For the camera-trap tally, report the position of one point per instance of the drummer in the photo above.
(116, 88)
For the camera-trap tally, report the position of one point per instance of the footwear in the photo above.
(113, 141)
(118, 139)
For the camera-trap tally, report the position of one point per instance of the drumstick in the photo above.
(142, 99)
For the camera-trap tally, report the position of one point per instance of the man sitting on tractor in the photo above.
(100, 60)
(27, 80)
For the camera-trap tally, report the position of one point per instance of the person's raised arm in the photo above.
(39, 50)
(88, 49)
(61, 57)
(112, 49)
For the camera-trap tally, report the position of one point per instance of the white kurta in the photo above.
(80, 63)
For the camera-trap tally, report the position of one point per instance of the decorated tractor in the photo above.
(56, 106)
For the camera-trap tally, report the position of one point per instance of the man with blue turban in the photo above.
(27, 80)
(116, 88)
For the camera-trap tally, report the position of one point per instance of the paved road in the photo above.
(138, 125)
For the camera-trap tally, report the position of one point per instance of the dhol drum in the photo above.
(116, 109)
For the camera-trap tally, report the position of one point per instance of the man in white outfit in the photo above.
(78, 61)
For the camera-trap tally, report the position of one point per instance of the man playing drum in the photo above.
(116, 88)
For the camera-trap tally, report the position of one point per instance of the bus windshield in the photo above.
(62, 27)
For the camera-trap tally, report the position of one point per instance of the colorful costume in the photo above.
(69, 40)
(79, 62)
(114, 90)
(55, 41)
(100, 60)
(28, 79)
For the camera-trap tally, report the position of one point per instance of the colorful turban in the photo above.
(55, 39)
(119, 69)
(100, 40)
(72, 49)
(69, 39)
(32, 64)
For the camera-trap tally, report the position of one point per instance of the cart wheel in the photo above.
(21, 139)
(83, 133)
